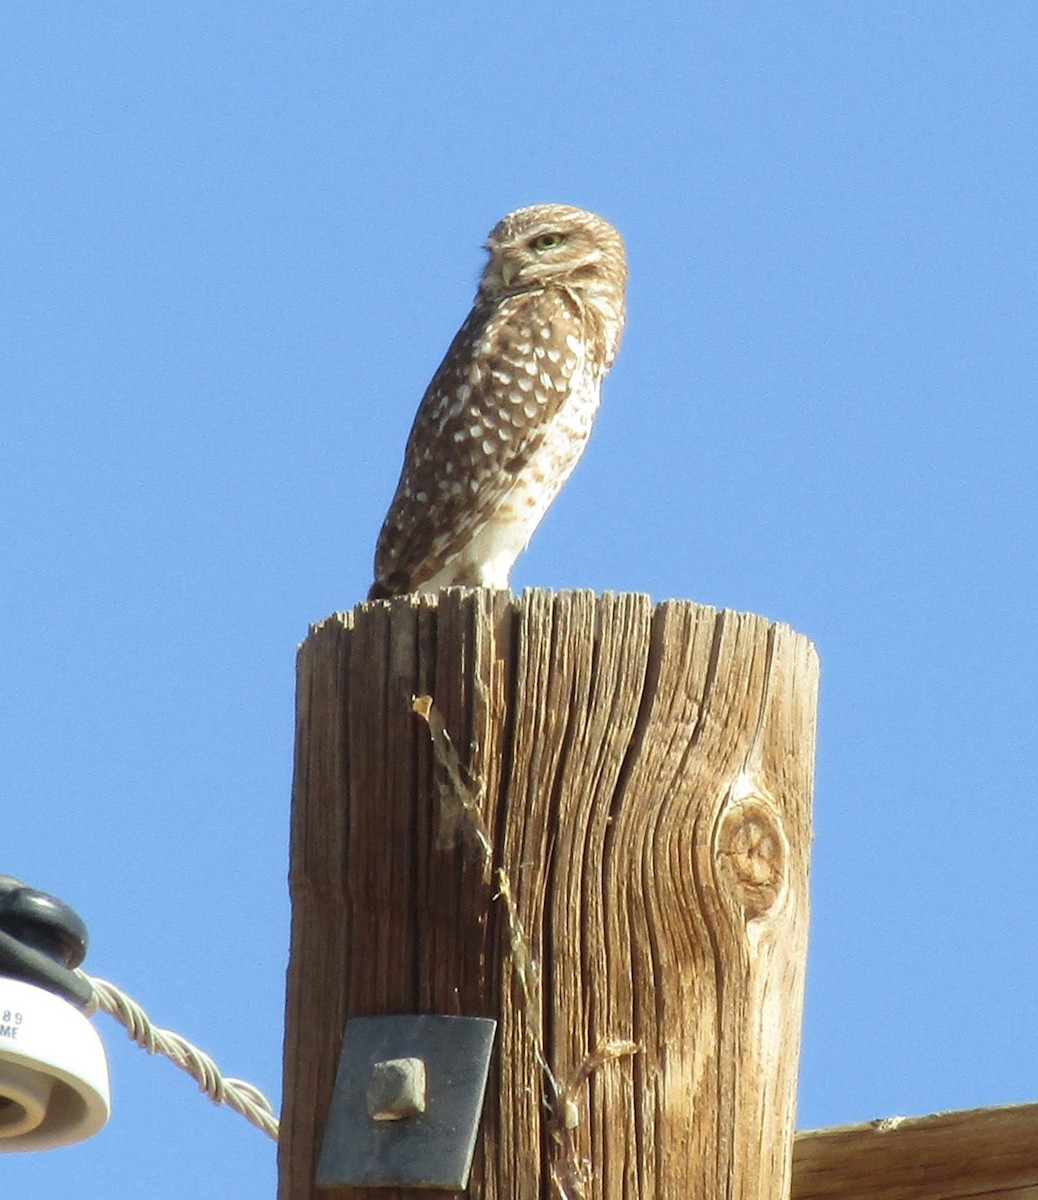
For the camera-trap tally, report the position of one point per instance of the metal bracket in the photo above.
(407, 1100)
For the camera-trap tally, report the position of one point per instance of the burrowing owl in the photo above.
(509, 412)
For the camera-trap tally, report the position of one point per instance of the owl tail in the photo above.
(386, 589)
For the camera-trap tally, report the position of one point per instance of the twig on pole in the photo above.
(460, 796)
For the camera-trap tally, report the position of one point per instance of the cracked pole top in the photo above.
(643, 776)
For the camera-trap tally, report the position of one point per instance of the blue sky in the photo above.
(236, 241)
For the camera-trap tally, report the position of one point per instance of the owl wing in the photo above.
(503, 380)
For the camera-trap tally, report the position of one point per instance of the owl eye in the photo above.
(548, 241)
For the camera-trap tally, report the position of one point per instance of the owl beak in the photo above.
(508, 273)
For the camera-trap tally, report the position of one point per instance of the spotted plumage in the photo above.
(509, 411)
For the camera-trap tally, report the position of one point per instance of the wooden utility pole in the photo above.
(644, 779)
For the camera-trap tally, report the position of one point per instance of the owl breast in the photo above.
(490, 554)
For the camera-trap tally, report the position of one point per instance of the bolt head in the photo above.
(397, 1089)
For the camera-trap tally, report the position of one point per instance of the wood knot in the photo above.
(751, 855)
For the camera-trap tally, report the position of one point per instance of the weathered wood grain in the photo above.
(982, 1153)
(646, 781)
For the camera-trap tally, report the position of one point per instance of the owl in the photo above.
(509, 411)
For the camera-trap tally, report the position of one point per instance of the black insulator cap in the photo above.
(42, 941)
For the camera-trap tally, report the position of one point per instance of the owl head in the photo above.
(553, 244)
